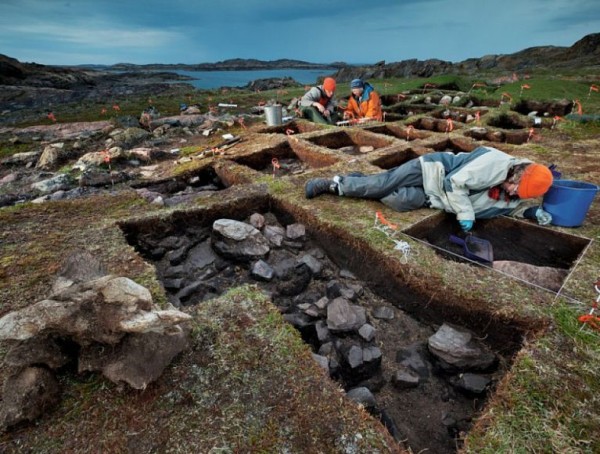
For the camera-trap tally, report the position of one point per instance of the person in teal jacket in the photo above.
(482, 184)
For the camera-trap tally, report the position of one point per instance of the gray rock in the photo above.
(262, 271)
(405, 378)
(57, 183)
(354, 357)
(257, 221)
(472, 383)
(27, 395)
(238, 241)
(38, 350)
(22, 158)
(413, 358)
(383, 313)
(275, 234)
(362, 396)
(294, 281)
(322, 361)
(138, 360)
(372, 355)
(298, 320)
(456, 348)
(367, 332)
(314, 264)
(295, 231)
(347, 274)
(177, 256)
(323, 334)
(343, 316)
(199, 257)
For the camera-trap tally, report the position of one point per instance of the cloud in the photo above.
(97, 35)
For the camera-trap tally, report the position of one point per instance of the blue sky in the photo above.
(186, 31)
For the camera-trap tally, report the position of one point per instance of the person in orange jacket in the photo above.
(364, 103)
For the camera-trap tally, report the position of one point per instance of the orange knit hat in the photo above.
(535, 181)
(329, 84)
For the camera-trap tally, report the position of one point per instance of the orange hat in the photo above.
(535, 181)
(329, 84)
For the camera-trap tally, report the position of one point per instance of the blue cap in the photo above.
(357, 83)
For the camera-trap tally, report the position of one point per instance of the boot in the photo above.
(318, 186)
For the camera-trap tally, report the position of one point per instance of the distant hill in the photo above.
(235, 64)
(585, 53)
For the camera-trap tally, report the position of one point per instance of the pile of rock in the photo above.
(91, 322)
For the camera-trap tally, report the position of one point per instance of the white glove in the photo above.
(543, 217)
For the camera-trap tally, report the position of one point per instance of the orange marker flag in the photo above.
(379, 217)
(116, 107)
(524, 86)
(51, 117)
(475, 85)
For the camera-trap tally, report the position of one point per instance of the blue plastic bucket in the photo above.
(568, 201)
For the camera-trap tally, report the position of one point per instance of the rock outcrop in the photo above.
(101, 323)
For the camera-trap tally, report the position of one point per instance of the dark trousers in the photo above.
(400, 188)
(311, 113)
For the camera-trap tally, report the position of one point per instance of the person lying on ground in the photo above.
(364, 102)
(319, 105)
(479, 185)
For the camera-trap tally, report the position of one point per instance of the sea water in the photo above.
(216, 79)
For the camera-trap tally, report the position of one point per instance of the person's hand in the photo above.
(466, 225)
(346, 115)
(543, 217)
(326, 113)
(319, 107)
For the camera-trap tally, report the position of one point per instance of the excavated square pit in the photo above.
(534, 254)
(394, 159)
(283, 160)
(425, 402)
(455, 146)
(398, 131)
(293, 127)
(183, 188)
(456, 114)
(352, 142)
(515, 136)
(435, 124)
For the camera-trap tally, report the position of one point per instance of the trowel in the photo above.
(475, 248)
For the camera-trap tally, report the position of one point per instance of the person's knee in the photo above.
(406, 199)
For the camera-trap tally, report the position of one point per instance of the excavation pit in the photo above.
(405, 110)
(435, 124)
(459, 115)
(184, 188)
(398, 131)
(394, 159)
(283, 160)
(453, 145)
(508, 121)
(544, 108)
(318, 273)
(536, 255)
(293, 127)
(352, 142)
(515, 136)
